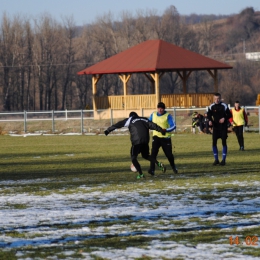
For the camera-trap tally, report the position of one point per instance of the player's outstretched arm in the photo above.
(119, 124)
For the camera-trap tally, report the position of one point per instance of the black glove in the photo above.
(245, 123)
(163, 131)
(106, 132)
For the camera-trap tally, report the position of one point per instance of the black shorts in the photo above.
(220, 134)
(140, 148)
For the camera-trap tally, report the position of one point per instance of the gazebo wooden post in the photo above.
(152, 89)
(184, 78)
(156, 78)
(157, 87)
(125, 78)
(216, 80)
(95, 79)
(214, 75)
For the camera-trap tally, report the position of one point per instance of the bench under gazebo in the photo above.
(153, 58)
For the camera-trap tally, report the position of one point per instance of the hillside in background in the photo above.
(232, 35)
(229, 40)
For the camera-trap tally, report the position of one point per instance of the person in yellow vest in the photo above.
(239, 120)
(165, 120)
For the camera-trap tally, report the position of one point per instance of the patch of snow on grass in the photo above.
(53, 216)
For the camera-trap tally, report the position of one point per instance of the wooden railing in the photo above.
(187, 100)
(149, 101)
(131, 102)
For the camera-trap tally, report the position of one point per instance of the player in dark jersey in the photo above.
(218, 115)
(140, 137)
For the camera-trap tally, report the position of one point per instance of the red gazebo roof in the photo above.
(151, 56)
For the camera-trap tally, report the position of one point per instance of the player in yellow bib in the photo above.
(238, 120)
(165, 121)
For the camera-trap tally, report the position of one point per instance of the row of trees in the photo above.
(36, 63)
(40, 58)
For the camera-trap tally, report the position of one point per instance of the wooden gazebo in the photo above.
(153, 58)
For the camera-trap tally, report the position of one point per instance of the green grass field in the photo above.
(74, 197)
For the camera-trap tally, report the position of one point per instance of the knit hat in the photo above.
(161, 105)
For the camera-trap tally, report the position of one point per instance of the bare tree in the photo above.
(67, 54)
(46, 46)
(171, 26)
(207, 35)
(87, 54)
(6, 56)
(29, 38)
(126, 30)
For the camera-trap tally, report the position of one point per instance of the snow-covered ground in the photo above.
(55, 219)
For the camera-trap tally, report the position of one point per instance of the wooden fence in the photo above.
(149, 101)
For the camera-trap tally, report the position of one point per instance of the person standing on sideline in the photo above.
(238, 120)
(218, 115)
(166, 121)
(140, 137)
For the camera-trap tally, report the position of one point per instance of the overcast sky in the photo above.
(86, 11)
